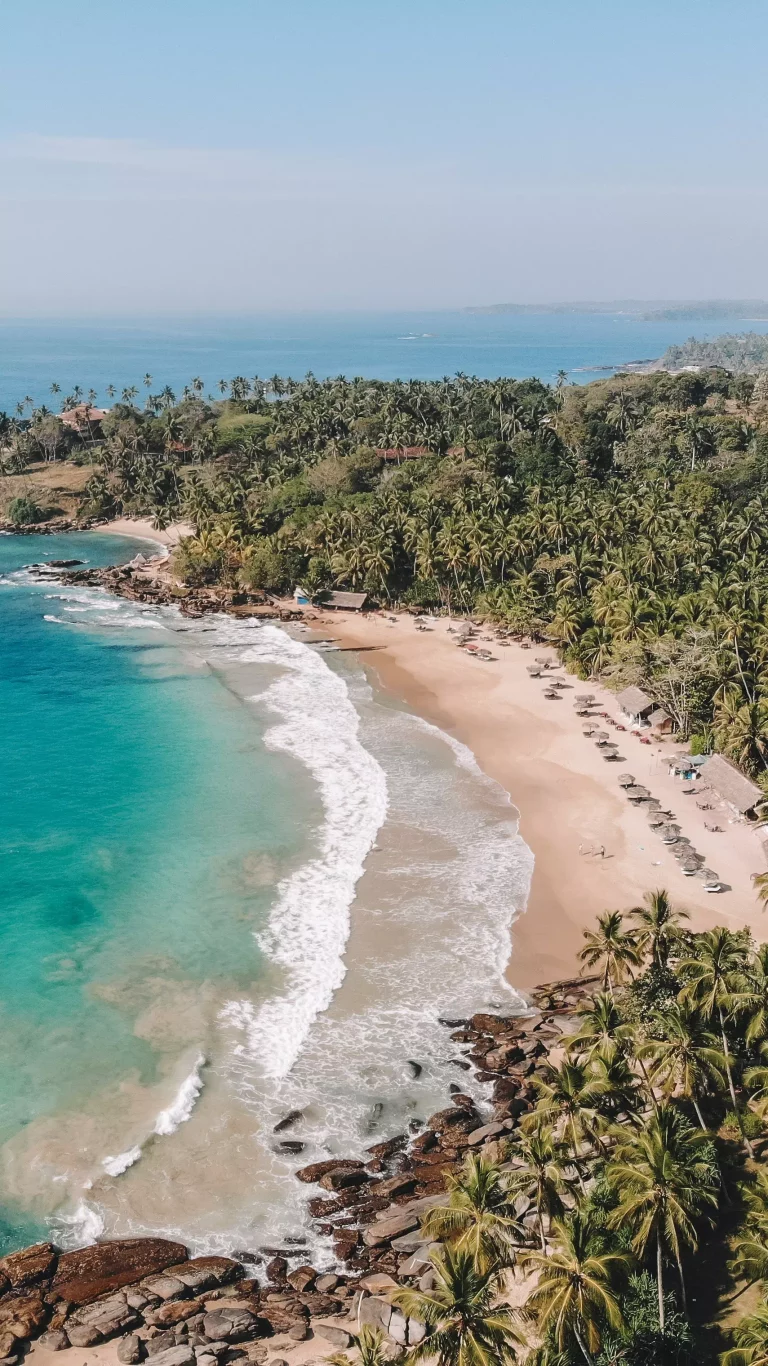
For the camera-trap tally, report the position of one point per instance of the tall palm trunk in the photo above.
(540, 1217)
(731, 1088)
(683, 1295)
(660, 1281)
(699, 1115)
(583, 1347)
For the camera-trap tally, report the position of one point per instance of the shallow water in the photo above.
(242, 881)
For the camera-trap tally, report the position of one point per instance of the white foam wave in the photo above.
(181, 1108)
(310, 920)
(84, 1226)
(115, 1166)
(59, 620)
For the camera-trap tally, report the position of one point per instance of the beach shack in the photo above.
(301, 597)
(636, 705)
(660, 721)
(737, 790)
(344, 602)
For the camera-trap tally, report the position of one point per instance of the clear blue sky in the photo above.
(222, 155)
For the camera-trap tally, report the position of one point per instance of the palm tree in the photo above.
(664, 1185)
(718, 985)
(372, 1350)
(479, 1217)
(683, 1054)
(603, 1031)
(659, 926)
(568, 1096)
(464, 1321)
(575, 1291)
(614, 948)
(752, 1338)
(761, 886)
(543, 1176)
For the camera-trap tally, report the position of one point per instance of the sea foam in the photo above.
(181, 1108)
(310, 919)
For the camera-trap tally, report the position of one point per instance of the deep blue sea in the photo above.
(95, 353)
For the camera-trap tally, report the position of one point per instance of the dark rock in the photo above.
(416, 1068)
(173, 1312)
(165, 1287)
(178, 1355)
(130, 1350)
(291, 1146)
(401, 1184)
(344, 1180)
(29, 1266)
(452, 1116)
(290, 1119)
(299, 1331)
(325, 1283)
(492, 1024)
(389, 1147)
(317, 1170)
(423, 1142)
(277, 1268)
(105, 1318)
(83, 1276)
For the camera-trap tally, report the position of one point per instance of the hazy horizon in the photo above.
(243, 159)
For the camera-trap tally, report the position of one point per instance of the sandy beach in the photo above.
(142, 529)
(568, 797)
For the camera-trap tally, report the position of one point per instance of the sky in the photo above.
(174, 156)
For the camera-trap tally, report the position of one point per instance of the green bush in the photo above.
(25, 511)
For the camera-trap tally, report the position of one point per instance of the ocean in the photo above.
(94, 353)
(239, 880)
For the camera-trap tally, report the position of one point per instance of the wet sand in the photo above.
(142, 529)
(569, 801)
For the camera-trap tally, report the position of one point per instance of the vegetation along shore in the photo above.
(607, 1200)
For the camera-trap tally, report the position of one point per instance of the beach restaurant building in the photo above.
(641, 710)
(737, 790)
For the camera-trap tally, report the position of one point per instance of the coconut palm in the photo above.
(761, 887)
(684, 1056)
(568, 1098)
(466, 1326)
(603, 1030)
(718, 985)
(575, 1293)
(659, 926)
(479, 1217)
(665, 1187)
(751, 1336)
(615, 949)
(371, 1346)
(544, 1175)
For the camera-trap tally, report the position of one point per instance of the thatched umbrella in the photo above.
(585, 697)
(601, 736)
(653, 804)
(669, 834)
(689, 868)
(626, 779)
(543, 659)
(708, 875)
(533, 670)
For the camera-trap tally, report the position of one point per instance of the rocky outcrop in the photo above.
(84, 1275)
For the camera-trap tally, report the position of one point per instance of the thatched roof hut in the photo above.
(735, 788)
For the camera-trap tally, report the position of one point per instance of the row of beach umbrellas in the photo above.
(690, 860)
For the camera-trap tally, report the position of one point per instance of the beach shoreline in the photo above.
(141, 529)
(569, 802)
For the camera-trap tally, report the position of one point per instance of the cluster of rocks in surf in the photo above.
(140, 581)
(176, 1310)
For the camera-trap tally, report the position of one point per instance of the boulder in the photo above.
(300, 1330)
(173, 1312)
(232, 1325)
(54, 1341)
(492, 1024)
(303, 1278)
(181, 1355)
(375, 1312)
(314, 1173)
(338, 1337)
(83, 1276)
(276, 1269)
(165, 1287)
(29, 1266)
(288, 1121)
(202, 1273)
(424, 1141)
(326, 1283)
(402, 1184)
(454, 1116)
(130, 1350)
(486, 1131)
(22, 1316)
(378, 1281)
(388, 1148)
(8, 1345)
(338, 1180)
(105, 1318)
(383, 1230)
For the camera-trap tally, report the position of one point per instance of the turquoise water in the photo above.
(95, 353)
(140, 811)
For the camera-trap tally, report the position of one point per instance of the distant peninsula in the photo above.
(744, 353)
(706, 310)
